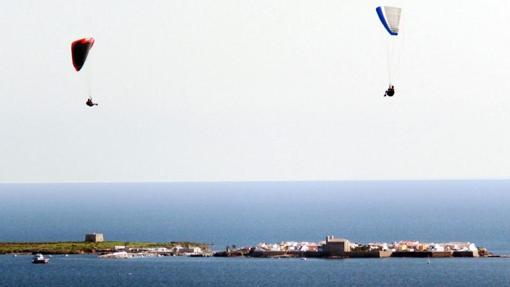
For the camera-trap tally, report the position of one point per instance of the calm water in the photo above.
(248, 213)
(171, 271)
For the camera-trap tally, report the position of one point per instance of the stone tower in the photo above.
(94, 237)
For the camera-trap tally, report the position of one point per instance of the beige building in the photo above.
(336, 246)
(94, 237)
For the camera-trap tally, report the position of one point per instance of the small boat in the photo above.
(40, 259)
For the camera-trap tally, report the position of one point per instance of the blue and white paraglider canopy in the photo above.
(390, 18)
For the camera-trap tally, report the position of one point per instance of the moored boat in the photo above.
(40, 259)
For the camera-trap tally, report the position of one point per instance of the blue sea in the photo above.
(246, 213)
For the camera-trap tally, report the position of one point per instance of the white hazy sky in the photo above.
(253, 90)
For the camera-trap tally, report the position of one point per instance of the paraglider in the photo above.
(90, 103)
(390, 91)
(79, 52)
(390, 19)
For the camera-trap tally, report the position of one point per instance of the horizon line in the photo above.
(260, 181)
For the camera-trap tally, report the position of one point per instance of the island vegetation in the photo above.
(80, 247)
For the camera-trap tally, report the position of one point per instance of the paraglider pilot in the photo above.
(390, 92)
(90, 103)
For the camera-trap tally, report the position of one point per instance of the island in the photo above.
(330, 248)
